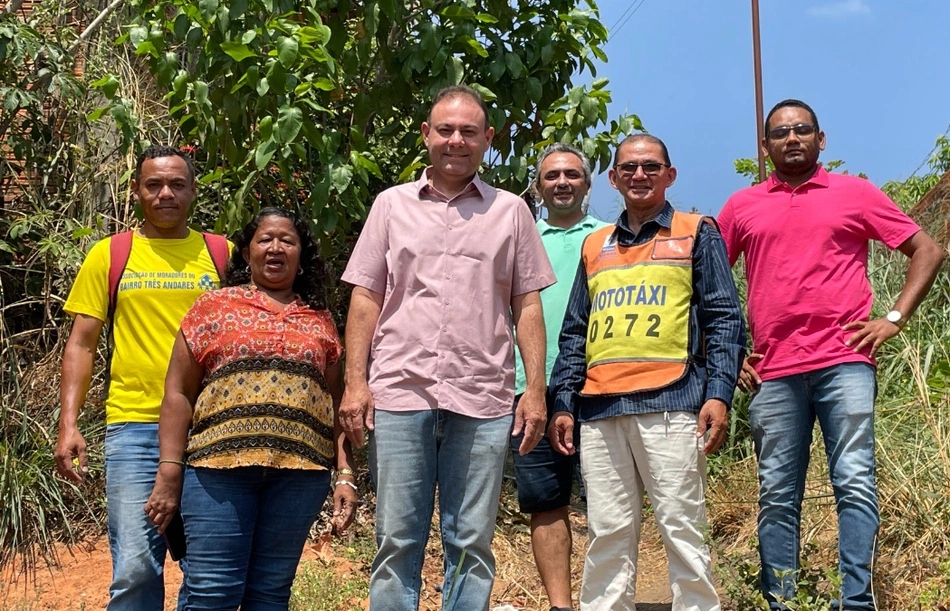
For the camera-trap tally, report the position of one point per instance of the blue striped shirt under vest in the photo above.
(714, 311)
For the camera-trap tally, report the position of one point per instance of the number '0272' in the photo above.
(630, 320)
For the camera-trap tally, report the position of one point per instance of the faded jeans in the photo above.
(410, 453)
(138, 551)
(782, 416)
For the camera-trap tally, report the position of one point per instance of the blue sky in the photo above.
(877, 72)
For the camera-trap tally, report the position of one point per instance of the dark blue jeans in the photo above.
(246, 528)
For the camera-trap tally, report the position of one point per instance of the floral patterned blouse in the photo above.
(264, 400)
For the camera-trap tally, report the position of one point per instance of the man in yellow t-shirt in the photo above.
(169, 266)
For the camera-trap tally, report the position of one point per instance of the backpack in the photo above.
(120, 248)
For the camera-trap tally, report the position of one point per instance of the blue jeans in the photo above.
(138, 551)
(409, 454)
(245, 528)
(782, 416)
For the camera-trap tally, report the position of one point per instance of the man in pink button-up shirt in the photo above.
(442, 269)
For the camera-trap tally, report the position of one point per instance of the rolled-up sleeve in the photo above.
(570, 368)
(719, 315)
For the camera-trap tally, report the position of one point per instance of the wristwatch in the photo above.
(897, 318)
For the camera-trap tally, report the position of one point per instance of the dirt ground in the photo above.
(517, 582)
(82, 580)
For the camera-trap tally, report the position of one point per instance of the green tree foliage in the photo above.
(34, 67)
(317, 103)
(38, 91)
(908, 192)
(750, 168)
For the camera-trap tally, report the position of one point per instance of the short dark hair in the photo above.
(791, 102)
(460, 91)
(649, 138)
(313, 281)
(155, 152)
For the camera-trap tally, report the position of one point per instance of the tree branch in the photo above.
(42, 83)
(92, 27)
(11, 7)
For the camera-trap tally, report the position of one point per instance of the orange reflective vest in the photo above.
(638, 330)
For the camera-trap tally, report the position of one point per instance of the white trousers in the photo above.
(621, 457)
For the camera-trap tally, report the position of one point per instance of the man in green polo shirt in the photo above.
(544, 476)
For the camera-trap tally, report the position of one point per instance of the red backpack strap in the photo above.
(120, 247)
(220, 252)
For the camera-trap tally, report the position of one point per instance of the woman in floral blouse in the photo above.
(256, 375)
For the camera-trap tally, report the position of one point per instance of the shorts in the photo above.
(544, 476)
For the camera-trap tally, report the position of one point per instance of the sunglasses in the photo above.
(650, 168)
(781, 133)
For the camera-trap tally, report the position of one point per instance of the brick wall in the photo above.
(13, 189)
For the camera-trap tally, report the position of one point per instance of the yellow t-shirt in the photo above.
(162, 279)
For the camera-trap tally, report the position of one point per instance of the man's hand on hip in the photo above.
(870, 333)
(530, 416)
(561, 433)
(356, 409)
(713, 418)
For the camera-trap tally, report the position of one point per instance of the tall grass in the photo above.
(913, 432)
(37, 509)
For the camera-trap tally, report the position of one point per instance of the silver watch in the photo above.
(896, 317)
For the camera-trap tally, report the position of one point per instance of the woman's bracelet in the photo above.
(347, 483)
(174, 462)
(346, 472)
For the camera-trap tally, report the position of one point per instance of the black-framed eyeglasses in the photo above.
(781, 133)
(650, 168)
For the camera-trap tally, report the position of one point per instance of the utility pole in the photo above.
(757, 62)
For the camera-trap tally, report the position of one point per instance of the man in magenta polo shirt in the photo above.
(442, 269)
(805, 234)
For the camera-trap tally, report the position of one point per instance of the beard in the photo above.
(797, 164)
(564, 205)
(560, 204)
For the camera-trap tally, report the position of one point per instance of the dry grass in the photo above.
(341, 572)
(913, 556)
